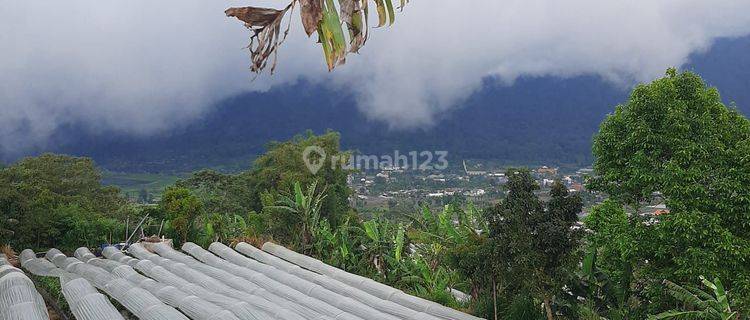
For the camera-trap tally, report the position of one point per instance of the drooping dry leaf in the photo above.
(265, 24)
(382, 16)
(357, 25)
(403, 4)
(347, 9)
(323, 16)
(312, 13)
(254, 17)
(366, 14)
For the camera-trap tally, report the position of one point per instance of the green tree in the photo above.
(533, 242)
(226, 200)
(182, 208)
(469, 259)
(676, 137)
(74, 226)
(283, 165)
(38, 194)
(221, 193)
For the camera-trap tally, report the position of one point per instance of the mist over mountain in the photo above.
(536, 120)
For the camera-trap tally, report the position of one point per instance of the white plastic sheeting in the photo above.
(275, 281)
(85, 302)
(303, 277)
(40, 267)
(306, 307)
(365, 284)
(113, 253)
(156, 266)
(241, 309)
(19, 299)
(276, 292)
(138, 301)
(191, 305)
(255, 286)
(260, 272)
(5, 266)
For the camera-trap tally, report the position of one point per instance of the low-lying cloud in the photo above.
(148, 66)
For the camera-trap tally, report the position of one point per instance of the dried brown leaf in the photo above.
(254, 17)
(311, 13)
(347, 9)
(265, 23)
(357, 24)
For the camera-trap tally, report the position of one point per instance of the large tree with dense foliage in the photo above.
(226, 202)
(533, 242)
(676, 137)
(220, 193)
(182, 208)
(58, 200)
(282, 166)
(209, 205)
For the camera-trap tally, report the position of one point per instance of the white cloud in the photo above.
(437, 54)
(147, 66)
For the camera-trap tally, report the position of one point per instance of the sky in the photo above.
(147, 66)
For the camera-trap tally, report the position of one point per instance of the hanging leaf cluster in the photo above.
(341, 26)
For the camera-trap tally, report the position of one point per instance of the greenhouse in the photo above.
(153, 281)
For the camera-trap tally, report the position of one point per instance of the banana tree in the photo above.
(341, 26)
(704, 305)
(429, 281)
(336, 246)
(306, 206)
(383, 244)
(451, 226)
(602, 293)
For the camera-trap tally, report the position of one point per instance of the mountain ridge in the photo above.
(536, 120)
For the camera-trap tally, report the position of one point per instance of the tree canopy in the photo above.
(282, 166)
(534, 242)
(57, 200)
(674, 137)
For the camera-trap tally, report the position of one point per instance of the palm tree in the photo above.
(705, 305)
(327, 18)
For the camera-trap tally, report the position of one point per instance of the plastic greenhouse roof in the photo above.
(155, 281)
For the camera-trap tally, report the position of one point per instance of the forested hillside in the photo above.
(535, 121)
